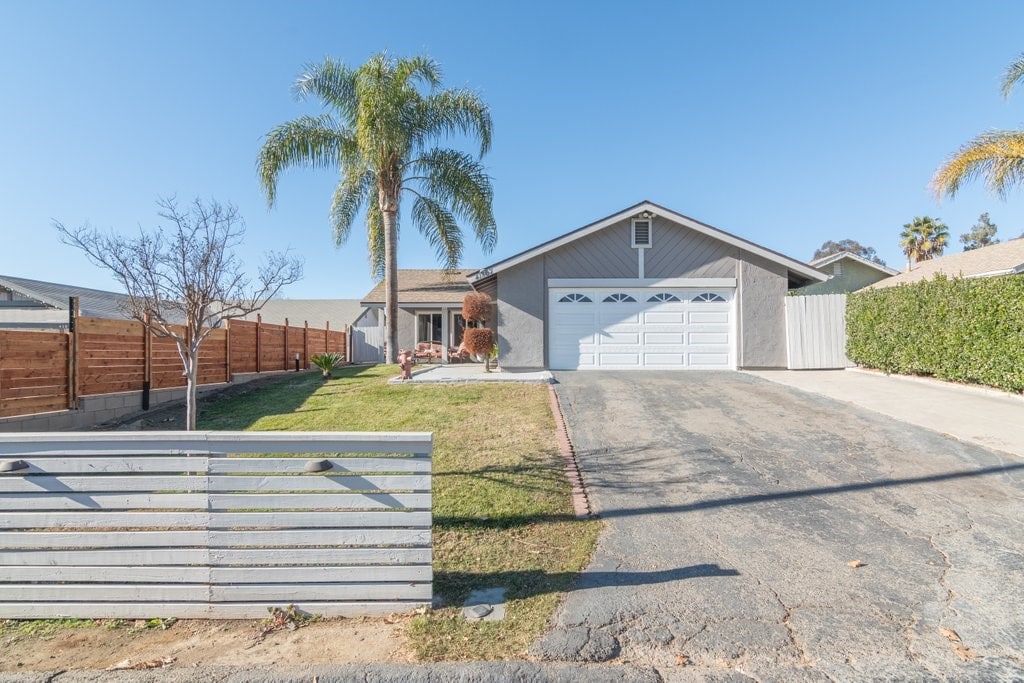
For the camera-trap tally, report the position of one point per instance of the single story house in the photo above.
(429, 307)
(29, 304)
(643, 288)
(1005, 258)
(847, 272)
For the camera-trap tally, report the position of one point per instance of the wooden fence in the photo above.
(46, 371)
(816, 332)
(136, 525)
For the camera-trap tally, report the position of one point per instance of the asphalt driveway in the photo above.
(735, 507)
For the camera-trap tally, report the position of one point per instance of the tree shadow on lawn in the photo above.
(280, 398)
(529, 583)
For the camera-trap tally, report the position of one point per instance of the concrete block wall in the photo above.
(95, 410)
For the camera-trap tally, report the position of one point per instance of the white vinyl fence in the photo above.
(816, 331)
(171, 524)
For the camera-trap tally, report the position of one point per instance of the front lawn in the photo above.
(502, 514)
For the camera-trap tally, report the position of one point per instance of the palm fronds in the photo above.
(996, 156)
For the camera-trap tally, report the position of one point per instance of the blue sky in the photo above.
(785, 123)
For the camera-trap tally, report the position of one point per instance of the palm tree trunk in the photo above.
(390, 212)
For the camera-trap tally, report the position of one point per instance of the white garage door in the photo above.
(629, 329)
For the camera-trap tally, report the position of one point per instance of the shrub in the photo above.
(478, 340)
(327, 362)
(476, 306)
(958, 330)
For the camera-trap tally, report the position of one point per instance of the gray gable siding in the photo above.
(603, 254)
(677, 251)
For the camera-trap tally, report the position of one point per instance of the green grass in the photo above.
(502, 513)
(13, 630)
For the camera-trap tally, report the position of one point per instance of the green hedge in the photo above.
(958, 330)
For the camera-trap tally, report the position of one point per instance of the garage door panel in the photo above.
(708, 338)
(625, 359)
(606, 318)
(659, 338)
(664, 360)
(620, 338)
(599, 334)
(665, 317)
(708, 359)
(709, 316)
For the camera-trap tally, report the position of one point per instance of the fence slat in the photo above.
(104, 501)
(106, 574)
(321, 483)
(319, 574)
(134, 483)
(102, 519)
(295, 465)
(106, 593)
(332, 556)
(298, 592)
(311, 501)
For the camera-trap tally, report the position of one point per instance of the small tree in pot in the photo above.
(478, 339)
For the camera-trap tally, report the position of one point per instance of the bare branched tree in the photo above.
(184, 280)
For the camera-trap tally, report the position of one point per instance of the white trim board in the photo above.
(794, 265)
(700, 282)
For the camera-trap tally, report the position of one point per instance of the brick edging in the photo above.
(580, 502)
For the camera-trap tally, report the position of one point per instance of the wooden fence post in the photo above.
(305, 345)
(227, 352)
(147, 362)
(259, 349)
(286, 343)
(73, 352)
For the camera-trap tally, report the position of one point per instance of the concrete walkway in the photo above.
(470, 373)
(986, 417)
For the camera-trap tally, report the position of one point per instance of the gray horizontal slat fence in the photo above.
(197, 525)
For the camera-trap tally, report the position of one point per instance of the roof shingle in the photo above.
(997, 259)
(425, 286)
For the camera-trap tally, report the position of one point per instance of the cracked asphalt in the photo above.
(734, 507)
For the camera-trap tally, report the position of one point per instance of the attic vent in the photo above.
(641, 232)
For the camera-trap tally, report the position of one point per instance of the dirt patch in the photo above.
(198, 642)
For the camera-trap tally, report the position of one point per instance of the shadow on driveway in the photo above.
(751, 499)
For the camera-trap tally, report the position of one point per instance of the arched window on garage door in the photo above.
(575, 298)
(619, 298)
(709, 297)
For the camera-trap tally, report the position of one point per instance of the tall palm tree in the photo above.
(384, 119)
(923, 239)
(997, 156)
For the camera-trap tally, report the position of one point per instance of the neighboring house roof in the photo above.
(1005, 258)
(849, 255)
(317, 312)
(802, 270)
(96, 303)
(430, 286)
